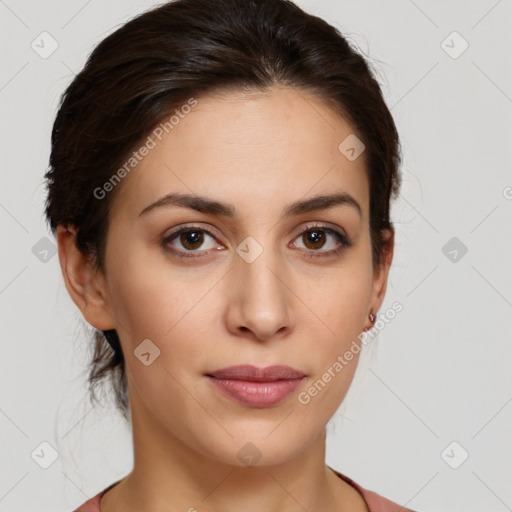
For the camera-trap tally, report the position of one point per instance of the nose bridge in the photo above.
(261, 296)
(257, 266)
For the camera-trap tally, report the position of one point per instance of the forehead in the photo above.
(252, 148)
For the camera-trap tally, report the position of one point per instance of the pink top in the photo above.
(374, 501)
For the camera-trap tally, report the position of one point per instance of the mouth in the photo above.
(257, 387)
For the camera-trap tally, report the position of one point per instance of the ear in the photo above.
(86, 284)
(380, 277)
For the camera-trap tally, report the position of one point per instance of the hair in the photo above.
(154, 64)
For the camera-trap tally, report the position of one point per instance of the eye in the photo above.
(189, 240)
(323, 240)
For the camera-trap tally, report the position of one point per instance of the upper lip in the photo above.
(252, 373)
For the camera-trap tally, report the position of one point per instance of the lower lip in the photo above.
(256, 394)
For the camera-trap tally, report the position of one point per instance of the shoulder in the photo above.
(375, 502)
(93, 504)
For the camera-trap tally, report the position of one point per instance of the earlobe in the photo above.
(85, 283)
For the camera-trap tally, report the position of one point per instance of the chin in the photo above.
(262, 444)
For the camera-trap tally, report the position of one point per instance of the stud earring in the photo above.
(372, 318)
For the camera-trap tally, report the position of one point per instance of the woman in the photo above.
(219, 187)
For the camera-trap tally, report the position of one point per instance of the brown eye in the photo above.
(314, 239)
(192, 239)
(321, 241)
(190, 242)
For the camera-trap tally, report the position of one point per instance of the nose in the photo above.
(259, 299)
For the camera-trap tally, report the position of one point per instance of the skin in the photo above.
(258, 152)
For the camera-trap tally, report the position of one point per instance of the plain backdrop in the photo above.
(428, 419)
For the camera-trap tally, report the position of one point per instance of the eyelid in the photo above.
(320, 225)
(191, 226)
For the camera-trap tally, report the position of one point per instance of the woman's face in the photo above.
(252, 287)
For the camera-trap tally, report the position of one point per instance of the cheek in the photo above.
(341, 304)
(144, 301)
(167, 311)
(160, 303)
(340, 298)
(139, 301)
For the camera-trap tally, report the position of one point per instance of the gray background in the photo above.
(437, 373)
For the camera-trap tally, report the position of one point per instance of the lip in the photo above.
(257, 387)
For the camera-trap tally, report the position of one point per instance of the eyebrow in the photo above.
(213, 207)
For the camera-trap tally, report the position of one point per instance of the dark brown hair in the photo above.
(153, 64)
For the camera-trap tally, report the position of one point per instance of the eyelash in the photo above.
(344, 242)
